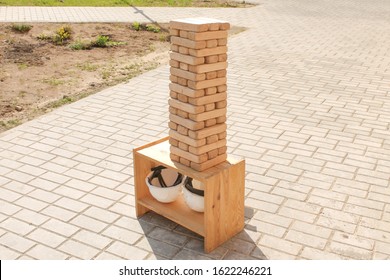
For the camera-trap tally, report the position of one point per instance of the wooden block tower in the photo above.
(197, 103)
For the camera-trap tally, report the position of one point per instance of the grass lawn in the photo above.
(120, 3)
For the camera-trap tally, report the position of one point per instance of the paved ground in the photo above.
(309, 109)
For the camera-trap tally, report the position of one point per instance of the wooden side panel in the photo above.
(142, 168)
(224, 201)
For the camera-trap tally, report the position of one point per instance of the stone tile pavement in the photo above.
(309, 109)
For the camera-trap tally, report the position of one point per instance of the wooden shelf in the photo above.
(177, 212)
(223, 216)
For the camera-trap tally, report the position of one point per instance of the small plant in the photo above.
(153, 28)
(22, 66)
(87, 67)
(80, 45)
(136, 26)
(62, 35)
(21, 28)
(101, 41)
(44, 37)
(148, 27)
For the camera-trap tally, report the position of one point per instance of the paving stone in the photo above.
(121, 234)
(60, 227)
(88, 223)
(350, 251)
(126, 251)
(168, 236)
(92, 239)
(16, 226)
(280, 244)
(315, 254)
(46, 237)
(16, 242)
(31, 203)
(101, 214)
(7, 254)
(306, 239)
(78, 250)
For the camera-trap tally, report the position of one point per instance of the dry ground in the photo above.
(38, 75)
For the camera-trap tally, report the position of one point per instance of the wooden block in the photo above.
(189, 75)
(182, 98)
(186, 91)
(222, 57)
(211, 59)
(182, 114)
(174, 157)
(182, 130)
(183, 33)
(187, 140)
(215, 97)
(200, 36)
(224, 26)
(206, 83)
(214, 26)
(191, 60)
(222, 150)
(173, 78)
(207, 67)
(212, 154)
(208, 52)
(222, 135)
(188, 43)
(208, 164)
(205, 132)
(190, 24)
(185, 162)
(221, 104)
(183, 66)
(183, 50)
(208, 115)
(199, 24)
(188, 155)
(190, 124)
(222, 88)
(181, 81)
(184, 146)
(222, 42)
(174, 63)
(186, 107)
(213, 43)
(172, 125)
(221, 119)
(173, 110)
(173, 94)
(221, 73)
(211, 139)
(173, 142)
(210, 75)
(210, 90)
(209, 107)
(173, 32)
(174, 48)
(210, 122)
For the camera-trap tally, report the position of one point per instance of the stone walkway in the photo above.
(309, 109)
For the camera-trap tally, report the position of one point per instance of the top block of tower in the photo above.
(199, 24)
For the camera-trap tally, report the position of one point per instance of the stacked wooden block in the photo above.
(198, 92)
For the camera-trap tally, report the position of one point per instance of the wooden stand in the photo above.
(223, 216)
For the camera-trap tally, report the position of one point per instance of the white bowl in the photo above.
(194, 201)
(169, 193)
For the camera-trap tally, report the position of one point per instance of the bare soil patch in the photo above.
(37, 75)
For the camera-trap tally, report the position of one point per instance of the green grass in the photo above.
(97, 3)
